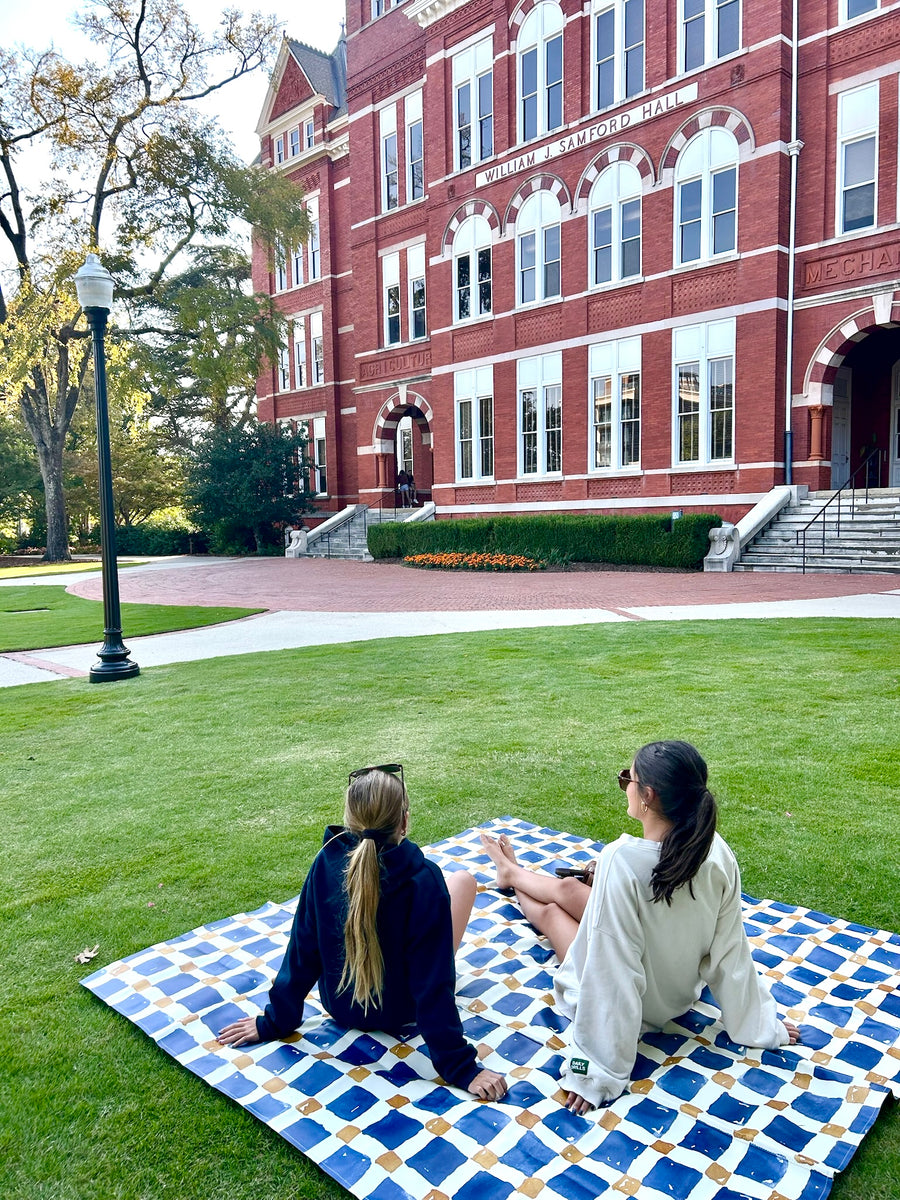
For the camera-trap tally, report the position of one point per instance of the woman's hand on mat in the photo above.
(793, 1032)
(577, 1104)
(239, 1033)
(488, 1085)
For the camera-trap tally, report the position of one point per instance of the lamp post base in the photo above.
(114, 664)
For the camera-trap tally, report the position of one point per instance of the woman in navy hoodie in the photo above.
(377, 927)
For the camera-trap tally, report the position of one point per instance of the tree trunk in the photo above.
(50, 459)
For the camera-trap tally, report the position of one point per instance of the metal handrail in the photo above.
(851, 483)
(346, 525)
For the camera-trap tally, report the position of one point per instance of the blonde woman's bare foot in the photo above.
(506, 846)
(501, 856)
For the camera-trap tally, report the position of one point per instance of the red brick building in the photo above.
(590, 256)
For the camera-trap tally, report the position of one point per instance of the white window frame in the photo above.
(390, 298)
(854, 128)
(314, 250)
(415, 181)
(618, 188)
(280, 154)
(541, 376)
(294, 136)
(473, 69)
(389, 158)
(711, 153)
(297, 265)
(301, 379)
(472, 242)
(309, 131)
(280, 269)
(539, 30)
(539, 218)
(416, 300)
(710, 12)
(473, 393)
(846, 16)
(317, 348)
(623, 56)
(283, 370)
(617, 363)
(316, 456)
(707, 347)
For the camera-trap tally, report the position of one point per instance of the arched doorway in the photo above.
(403, 442)
(854, 385)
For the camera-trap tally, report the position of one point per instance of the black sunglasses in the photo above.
(625, 777)
(388, 768)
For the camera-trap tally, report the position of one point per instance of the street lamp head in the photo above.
(94, 284)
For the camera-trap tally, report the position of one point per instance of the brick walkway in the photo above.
(321, 585)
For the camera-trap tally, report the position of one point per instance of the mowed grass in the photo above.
(35, 617)
(138, 810)
(33, 570)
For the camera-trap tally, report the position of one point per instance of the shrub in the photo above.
(652, 540)
(159, 540)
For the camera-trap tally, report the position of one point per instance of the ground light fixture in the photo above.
(94, 285)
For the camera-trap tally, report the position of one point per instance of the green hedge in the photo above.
(653, 541)
(159, 540)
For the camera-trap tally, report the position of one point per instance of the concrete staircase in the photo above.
(869, 539)
(350, 539)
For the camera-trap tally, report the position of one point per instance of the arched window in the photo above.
(472, 269)
(540, 65)
(538, 262)
(706, 196)
(618, 39)
(615, 225)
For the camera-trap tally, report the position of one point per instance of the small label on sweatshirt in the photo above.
(579, 1066)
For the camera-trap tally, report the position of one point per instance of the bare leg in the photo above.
(461, 886)
(570, 895)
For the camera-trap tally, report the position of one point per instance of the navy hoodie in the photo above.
(416, 936)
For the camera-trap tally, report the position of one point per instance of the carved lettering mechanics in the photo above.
(846, 267)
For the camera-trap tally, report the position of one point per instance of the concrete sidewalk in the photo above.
(321, 602)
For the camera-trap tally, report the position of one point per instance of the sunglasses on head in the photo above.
(625, 777)
(388, 768)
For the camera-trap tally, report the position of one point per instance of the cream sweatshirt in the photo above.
(634, 965)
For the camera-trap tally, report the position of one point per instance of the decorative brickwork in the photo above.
(541, 326)
(701, 290)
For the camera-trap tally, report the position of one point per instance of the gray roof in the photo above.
(327, 73)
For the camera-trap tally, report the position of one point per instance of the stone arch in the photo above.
(721, 118)
(626, 152)
(472, 208)
(818, 377)
(385, 428)
(537, 183)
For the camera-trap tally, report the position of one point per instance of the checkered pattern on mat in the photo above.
(702, 1118)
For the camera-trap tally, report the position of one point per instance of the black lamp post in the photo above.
(94, 285)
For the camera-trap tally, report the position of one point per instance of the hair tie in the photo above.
(378, 836)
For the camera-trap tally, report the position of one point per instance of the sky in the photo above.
(316, 22)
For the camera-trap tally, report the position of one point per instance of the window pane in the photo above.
(630, 397)
(485, 115)
(689, 412)
(631, 219)
(693, 42)
(721, 407)
(724, 184)
(859, 207)
(603, 245)
(527, 266)
(553, 427)
(528, 403)
(529, 118)
(528, 64)
(856, 8)
(690, 201)
(859, 162)
(631, 258)
(606, 46)
(486, 413)
(464, 126)
(484, 281)
(417, 174)
(554, 106)
(529, 72)
(634, 71)
(603, 421)
(554, 82)
(465, 419)
(728, 33)
(463, 304)
(462, 271)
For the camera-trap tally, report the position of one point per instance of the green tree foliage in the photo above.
(20, 480)
(246, 483)
(136, 169)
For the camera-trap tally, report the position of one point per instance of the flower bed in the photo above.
(456, 561)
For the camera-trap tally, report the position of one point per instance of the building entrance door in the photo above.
(894, 476)
(840, 430)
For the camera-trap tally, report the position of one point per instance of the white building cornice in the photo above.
(426, 12)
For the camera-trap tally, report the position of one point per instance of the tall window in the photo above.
(474, 394)
(538, 248)
(857, 158)
(279, 149)
(315, 258)
(310, 134)
(540, 64)
(317, 346)
(615, 404)
(472, 269)
(709, 30)
(415, 150)
(473, 104)
(704, 392)
(618, 50)
(540, 414)
(415, 273)
(280, 268)
(390, 274)
(390, 173)
(615, 224)
(315, 456)
(706, 196)
(295, 142)
(297, 266)
(284, 369)
(300, 379)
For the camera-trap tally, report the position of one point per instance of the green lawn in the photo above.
(34, 617)
(136, 811)
(32, 570)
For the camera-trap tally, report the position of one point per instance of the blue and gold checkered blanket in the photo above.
(702, 1118)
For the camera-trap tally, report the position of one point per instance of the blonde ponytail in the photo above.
(375, 808)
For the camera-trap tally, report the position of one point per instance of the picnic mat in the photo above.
(702, 1117)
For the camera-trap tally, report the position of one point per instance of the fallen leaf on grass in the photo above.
(87, 954)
